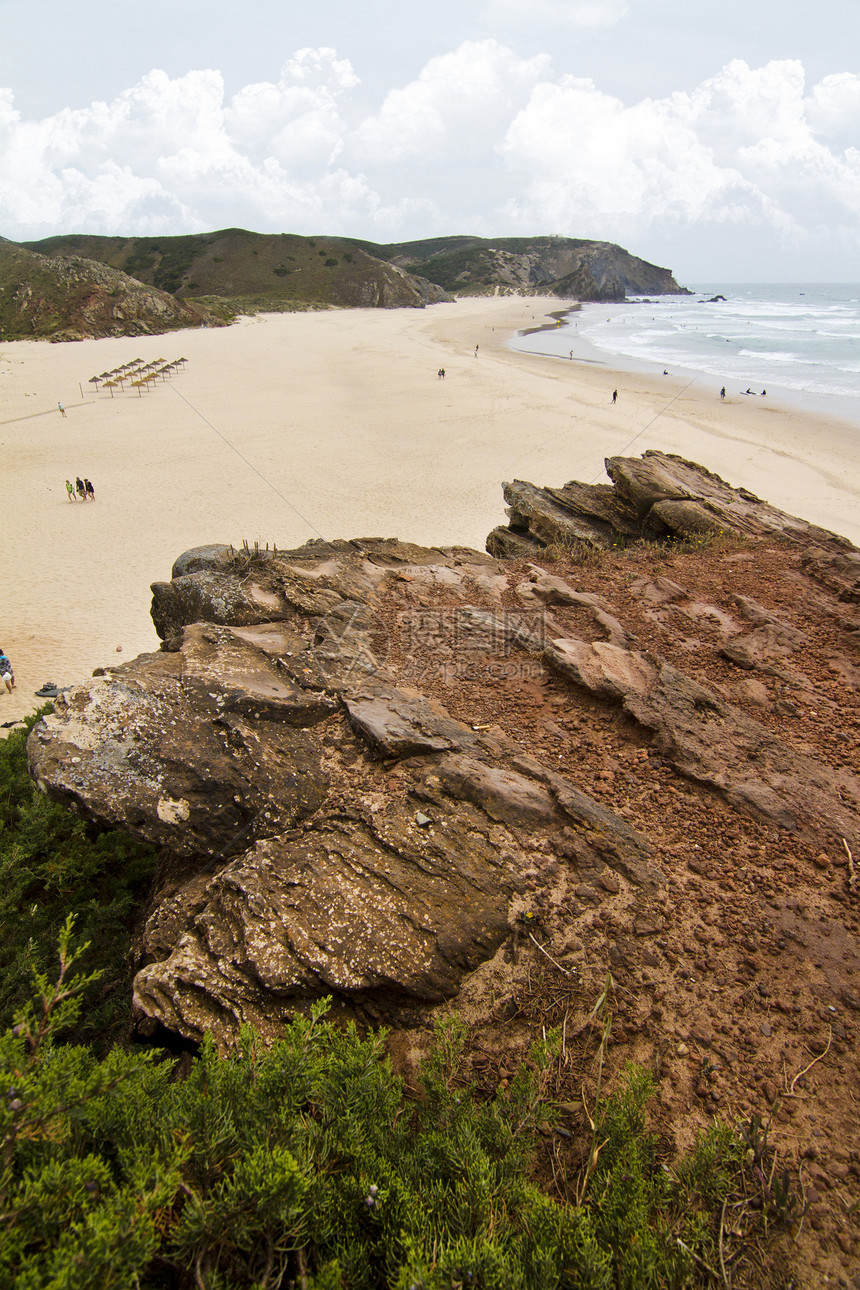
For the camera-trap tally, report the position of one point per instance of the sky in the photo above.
(720, 141)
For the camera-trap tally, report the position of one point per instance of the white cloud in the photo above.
(458, 106)
(482, 139)
(297, 119)
(739, 150)
(173, 156)
(833, 109)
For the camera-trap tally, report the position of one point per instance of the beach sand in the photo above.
(287, 427)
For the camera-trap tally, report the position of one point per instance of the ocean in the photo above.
(798, 341)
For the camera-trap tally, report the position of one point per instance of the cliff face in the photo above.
(241, 271)
(565, 267)
(71, 298)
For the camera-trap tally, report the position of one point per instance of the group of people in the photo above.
(7, 676)
(82, 487)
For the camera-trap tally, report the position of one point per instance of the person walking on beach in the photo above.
(614, 396)
(62, 409)
(723, 392)
(476, 351)
(7, 676)
(70, 489)
(90, 491)
(79, 488)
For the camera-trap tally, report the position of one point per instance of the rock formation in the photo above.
(352, 756)
(656, 497)
(571, 268)
(243, 272)
(582, 768)
(72, 298)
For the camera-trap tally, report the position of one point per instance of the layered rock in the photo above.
(333, 830)
(571, 268)
(362, 760)
(656, 497)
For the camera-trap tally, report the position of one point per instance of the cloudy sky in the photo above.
(722, 141)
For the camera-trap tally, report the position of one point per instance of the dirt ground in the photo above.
(742, 993)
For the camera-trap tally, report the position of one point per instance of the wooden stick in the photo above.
(549, 956)
(812, 1063)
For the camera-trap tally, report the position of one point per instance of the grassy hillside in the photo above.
(83, 285)
(276, 270)
(69, 297)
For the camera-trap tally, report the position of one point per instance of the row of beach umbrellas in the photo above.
(138, 374)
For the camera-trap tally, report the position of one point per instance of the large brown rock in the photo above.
(655, 496)
(249, 750)
(364, 761)
(713, 742)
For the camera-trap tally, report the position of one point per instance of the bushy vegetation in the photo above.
(306, 1164)
(52, 862)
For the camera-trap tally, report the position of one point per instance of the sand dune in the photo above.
(292, 426)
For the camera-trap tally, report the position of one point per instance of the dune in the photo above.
(288, 427)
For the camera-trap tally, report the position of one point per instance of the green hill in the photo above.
(254, 271)
(68, 297)
(78, 285)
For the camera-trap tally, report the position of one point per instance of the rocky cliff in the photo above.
(72, 298)
(585, 765)
(330, 824)
(233, 270)
(571, 268)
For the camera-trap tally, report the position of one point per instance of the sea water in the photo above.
(799, 342)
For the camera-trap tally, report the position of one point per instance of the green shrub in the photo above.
(52, 862)
(301, 1161)
(305, 1165)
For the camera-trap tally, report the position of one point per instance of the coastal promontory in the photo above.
(73, 286)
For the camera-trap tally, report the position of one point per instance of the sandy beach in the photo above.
(287, 427)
